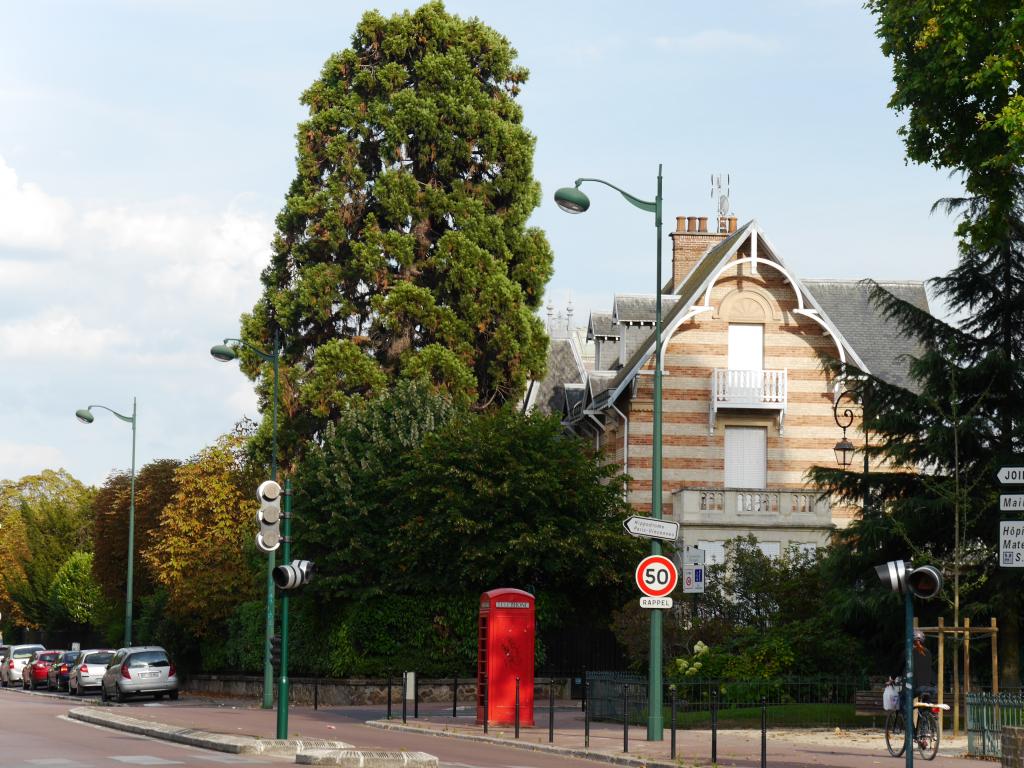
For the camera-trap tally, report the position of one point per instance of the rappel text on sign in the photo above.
(1011, 544)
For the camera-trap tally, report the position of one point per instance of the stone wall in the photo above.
(353, 691)
(1013, 747)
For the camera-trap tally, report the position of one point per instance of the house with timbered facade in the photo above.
(747, 407)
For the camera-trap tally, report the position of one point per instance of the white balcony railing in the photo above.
(743, 506)
(732, 388)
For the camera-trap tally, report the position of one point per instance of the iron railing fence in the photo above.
(791, 701)
(986, 715)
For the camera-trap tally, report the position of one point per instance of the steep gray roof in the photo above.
(880, 342)
(630, 308)
(601, 324)
(563, 368)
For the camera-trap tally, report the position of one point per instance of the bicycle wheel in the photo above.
(927, 736)
(895, 734)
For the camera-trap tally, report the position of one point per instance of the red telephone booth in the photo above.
(505, 643)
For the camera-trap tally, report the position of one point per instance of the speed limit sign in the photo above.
(656, 576)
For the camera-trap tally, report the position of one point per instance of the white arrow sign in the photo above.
(1011, 502)
(1011, 475)
(651, 528)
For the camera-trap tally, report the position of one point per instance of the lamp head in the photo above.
(844, 452)
(84, 415)
(572, 200)
(223, 353)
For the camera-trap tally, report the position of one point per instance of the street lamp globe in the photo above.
(844, 452)
(572, 200)
(223, 352)
(84, 415)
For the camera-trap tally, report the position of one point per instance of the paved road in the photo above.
(34, 735)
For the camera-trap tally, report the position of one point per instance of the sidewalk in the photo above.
(367, 728)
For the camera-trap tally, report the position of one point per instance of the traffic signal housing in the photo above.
(275, 650)
(294, 574)
(901, 576)
(269, 516)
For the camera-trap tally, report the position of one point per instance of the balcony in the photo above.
(762, 390)
(751, 508)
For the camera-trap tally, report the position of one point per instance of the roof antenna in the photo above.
(720, 190)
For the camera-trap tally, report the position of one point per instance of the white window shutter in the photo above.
(746, 457)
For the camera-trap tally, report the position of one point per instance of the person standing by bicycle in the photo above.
(925, 689)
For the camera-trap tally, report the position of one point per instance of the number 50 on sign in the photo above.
(656, 576)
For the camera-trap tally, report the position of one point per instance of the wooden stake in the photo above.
(995, 657)
(967, 657)
(942, 674)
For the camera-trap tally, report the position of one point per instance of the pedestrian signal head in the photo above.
(269, 515)
(293, 574)
(901, 576)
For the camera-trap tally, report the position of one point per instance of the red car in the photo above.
(34, 672)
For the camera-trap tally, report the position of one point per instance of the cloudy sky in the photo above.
(145, 148)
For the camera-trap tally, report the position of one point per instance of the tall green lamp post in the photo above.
(226, 352)
(573, 200)
(85, 416)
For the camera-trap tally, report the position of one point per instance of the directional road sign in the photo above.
(655, 602)
(656, 576)
(651, 528)
(693, 578)
(1011, 543)
(1011, 475)
(1011, 502)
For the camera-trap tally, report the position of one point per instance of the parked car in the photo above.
(88, 669)
(59, 672)
(14, 660)
(143, 671)
(33, 674)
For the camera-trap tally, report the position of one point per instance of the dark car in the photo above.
(33, 674)
(59, 672)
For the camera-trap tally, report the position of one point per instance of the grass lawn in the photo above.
(779, 716)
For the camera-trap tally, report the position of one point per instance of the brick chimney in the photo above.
(690, 242)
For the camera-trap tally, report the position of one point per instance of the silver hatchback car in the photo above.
(145, 670)
(88, 670)
(14, 660)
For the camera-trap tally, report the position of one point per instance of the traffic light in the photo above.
(275, 650)
(901, 576)
(269, 495)
(294, 574)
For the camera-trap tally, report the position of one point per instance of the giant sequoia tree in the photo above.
(402, 249)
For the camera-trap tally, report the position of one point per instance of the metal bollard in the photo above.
(389, 696)
(487, 689)
(764, 733)
(455, 697)
(625, 718)
(551, 711)
(714, 726)
(672, 750)
(405, 700)
(517, 706)
(316, 694)
(584, 703)
(586, 717)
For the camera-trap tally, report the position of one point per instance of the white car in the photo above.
(88, 670)
(13, 662)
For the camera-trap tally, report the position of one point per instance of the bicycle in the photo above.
(926, 733)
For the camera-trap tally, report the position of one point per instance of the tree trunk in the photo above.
(1009, 648)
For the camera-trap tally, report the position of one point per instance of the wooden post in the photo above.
(956, 677)
(942, 675)
(967, 657)
(995, 657)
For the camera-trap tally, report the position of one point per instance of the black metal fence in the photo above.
(986, 715)
(791, 701)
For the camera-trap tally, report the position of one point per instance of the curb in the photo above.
(360, 758)
(547, 748)
(220, 742)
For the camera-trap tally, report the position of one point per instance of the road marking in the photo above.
(144, 760)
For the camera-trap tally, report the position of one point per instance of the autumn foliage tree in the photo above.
(403, 248)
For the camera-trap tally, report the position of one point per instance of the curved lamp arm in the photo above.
(643, 205)
(121, 416)
(846, 419)
(258, 352)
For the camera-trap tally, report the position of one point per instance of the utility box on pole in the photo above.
(506, 635)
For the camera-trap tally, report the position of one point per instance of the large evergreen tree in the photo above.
(403, 248)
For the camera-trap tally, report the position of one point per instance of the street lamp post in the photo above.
(573, 200)
(226, 352)
(844, 449)
(85, 416)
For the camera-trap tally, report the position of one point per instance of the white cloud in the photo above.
(30, 218)
(56, 332)
(712, 40)
(244, 401)
(20, 459)
(18, 273)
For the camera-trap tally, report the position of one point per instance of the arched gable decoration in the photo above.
(747, 305)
